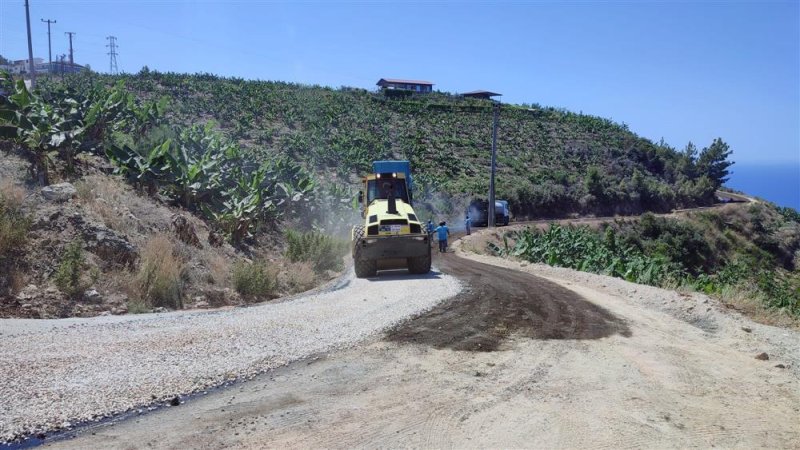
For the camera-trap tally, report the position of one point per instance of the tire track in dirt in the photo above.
(445, 421)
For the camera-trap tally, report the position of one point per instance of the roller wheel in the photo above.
(419, 265)
(365, 268)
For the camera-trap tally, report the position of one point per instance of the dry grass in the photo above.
(159, 281)
(13, 223)
(749, 302)
(16, 281)
(298, 277)
(11, 194)
(14, 226)
(107, 198)
(219, 268)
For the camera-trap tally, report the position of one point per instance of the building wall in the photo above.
(21, 67)
(409, 87)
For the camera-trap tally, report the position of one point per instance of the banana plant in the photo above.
(144, 171)
(237, 216)
(195, 170)
(38, 127)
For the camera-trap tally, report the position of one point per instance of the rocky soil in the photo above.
(114, 224)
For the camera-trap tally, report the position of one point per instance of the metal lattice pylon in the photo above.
(112, 53)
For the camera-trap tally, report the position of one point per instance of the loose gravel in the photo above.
(56, 373)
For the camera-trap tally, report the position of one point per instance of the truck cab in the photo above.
(479, 212)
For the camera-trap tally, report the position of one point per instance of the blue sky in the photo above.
(678, 70)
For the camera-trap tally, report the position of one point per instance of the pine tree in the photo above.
(713, 162)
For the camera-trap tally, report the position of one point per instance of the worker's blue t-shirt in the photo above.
(442, 232)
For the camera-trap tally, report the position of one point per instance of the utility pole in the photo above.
(112, 52)
(49, 46)
(30, 46)
(71, 59)
(62, 65)
(495, 118)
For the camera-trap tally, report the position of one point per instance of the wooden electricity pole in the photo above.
(49, 45)
(71, 58)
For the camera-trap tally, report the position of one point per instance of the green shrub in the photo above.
(69, 274)
(789, 214)
(254, 280)
(137, 307)
(324, 252)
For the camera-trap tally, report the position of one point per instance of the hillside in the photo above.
(551, 162)
(260, 177)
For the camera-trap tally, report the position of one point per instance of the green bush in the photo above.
(70, 269)
(323, 251)
(254, 280)
(789, 214)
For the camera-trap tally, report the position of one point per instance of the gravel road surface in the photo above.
(526, 356)
(56, 373)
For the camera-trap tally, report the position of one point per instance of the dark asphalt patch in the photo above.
(503, 302)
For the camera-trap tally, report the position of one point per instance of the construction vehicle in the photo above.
(479, 212)
(392, 236)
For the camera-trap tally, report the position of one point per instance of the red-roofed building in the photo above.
(405, 85)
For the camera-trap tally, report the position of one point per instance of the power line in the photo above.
(112, 53)
(49, 45)
(70, 34)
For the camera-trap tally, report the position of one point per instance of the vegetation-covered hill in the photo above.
(551, 162)
(248, 156)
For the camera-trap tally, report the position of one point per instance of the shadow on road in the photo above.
(500, 302)
(403, 274)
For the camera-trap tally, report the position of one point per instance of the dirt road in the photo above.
(58, 373)
(516, 360)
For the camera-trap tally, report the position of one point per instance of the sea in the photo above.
(777, 183)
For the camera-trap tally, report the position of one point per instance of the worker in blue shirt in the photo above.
(430, 226)
(442, 232)
(467, 223)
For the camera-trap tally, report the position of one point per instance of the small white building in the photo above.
(21, 66)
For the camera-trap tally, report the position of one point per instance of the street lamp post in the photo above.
(495, 118)
(30, 46)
